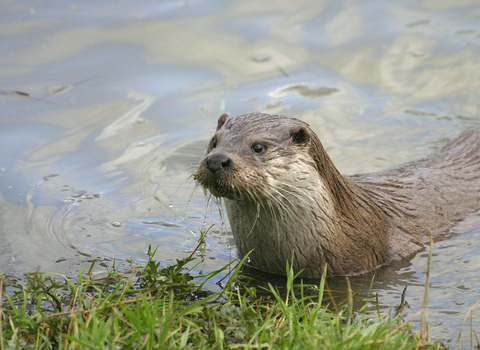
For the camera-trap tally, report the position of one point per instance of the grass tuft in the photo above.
(166, 307)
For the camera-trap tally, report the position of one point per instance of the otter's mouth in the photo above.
(216, 184)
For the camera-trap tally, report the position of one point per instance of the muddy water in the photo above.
(106, 108)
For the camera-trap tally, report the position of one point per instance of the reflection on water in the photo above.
(107, 108)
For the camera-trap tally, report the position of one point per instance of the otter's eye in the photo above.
(258, 148)
(214, 142)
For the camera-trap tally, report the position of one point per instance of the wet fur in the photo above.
(291, 203)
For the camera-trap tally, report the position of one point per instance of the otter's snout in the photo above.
(218, 161)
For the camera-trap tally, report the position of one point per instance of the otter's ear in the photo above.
(300, 135)
(223, 118)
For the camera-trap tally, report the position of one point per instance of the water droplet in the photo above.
(260, 58)
(59, 260)
(116, 224)
(171, 205)
(417, 54)
(67, 200)
(57, 89)
(87, 196)
(248, 260)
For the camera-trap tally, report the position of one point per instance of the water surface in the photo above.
(107, 108)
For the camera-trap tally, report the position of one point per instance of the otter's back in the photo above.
(428, 196)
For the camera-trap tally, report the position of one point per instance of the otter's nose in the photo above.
(218, 161)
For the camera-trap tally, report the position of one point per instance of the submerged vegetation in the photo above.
(166, 307)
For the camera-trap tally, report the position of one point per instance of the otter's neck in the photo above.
(361, 227)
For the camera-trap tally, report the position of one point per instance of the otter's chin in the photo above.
(214, 187)
(221, 193)
(217, 193)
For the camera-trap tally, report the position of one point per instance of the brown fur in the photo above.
(288, 202)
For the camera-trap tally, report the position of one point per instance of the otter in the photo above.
(287, 202)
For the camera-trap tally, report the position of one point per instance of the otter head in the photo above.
(259, 156)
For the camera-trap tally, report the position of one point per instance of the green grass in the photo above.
(155, 307)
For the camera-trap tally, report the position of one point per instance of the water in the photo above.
(106, 109)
